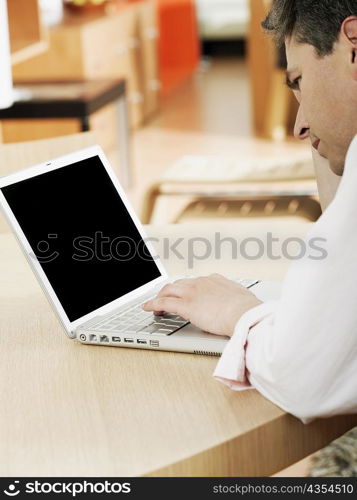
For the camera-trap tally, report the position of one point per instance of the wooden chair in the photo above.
(231, 178)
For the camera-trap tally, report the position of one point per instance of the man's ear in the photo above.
(349, 33)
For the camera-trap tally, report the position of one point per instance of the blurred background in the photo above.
(186, 97)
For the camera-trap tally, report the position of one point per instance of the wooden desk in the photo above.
(75, 410)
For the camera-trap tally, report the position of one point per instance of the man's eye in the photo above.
(295, 84)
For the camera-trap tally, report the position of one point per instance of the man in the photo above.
(300, 351)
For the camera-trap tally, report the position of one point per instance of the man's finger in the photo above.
(171, 290)
(216, 276)
(184, 281)
(172, 305)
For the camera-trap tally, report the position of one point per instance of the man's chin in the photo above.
(337, 167)
(336, 157)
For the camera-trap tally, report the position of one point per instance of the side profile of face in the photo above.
(326, 89)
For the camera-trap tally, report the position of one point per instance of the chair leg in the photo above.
(149, 203)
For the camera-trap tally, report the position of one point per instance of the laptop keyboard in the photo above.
(136, 321)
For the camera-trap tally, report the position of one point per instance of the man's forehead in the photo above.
(291, 57)
(297, 54)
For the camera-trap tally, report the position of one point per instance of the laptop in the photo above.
(92, 258)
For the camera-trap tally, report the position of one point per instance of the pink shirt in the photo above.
(301, 351)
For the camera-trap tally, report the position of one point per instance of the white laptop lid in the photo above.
(80, 234)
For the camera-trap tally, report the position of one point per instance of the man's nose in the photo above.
(302, 128)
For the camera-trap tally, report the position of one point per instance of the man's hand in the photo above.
(212, 303)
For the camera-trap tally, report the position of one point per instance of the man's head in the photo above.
(321, 47)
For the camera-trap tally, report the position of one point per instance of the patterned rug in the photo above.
(338, 459)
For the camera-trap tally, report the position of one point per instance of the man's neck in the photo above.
(327, 181)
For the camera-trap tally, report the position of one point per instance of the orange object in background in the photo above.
(179, 45)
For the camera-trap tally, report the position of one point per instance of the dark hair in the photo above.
(316, 22)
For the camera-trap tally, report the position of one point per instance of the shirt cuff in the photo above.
(231, 369)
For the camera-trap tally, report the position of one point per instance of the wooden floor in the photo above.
(216, 100)
(205, 115)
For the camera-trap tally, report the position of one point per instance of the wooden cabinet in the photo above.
(274, 105)
(58, 109)
(27, 36)
(91, 46)
(22, 130)
(103, 123)
(148, 35)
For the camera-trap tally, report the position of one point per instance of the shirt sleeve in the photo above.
(231, 368)
(301, 351)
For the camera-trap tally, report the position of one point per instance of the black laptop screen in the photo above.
(82, 234)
